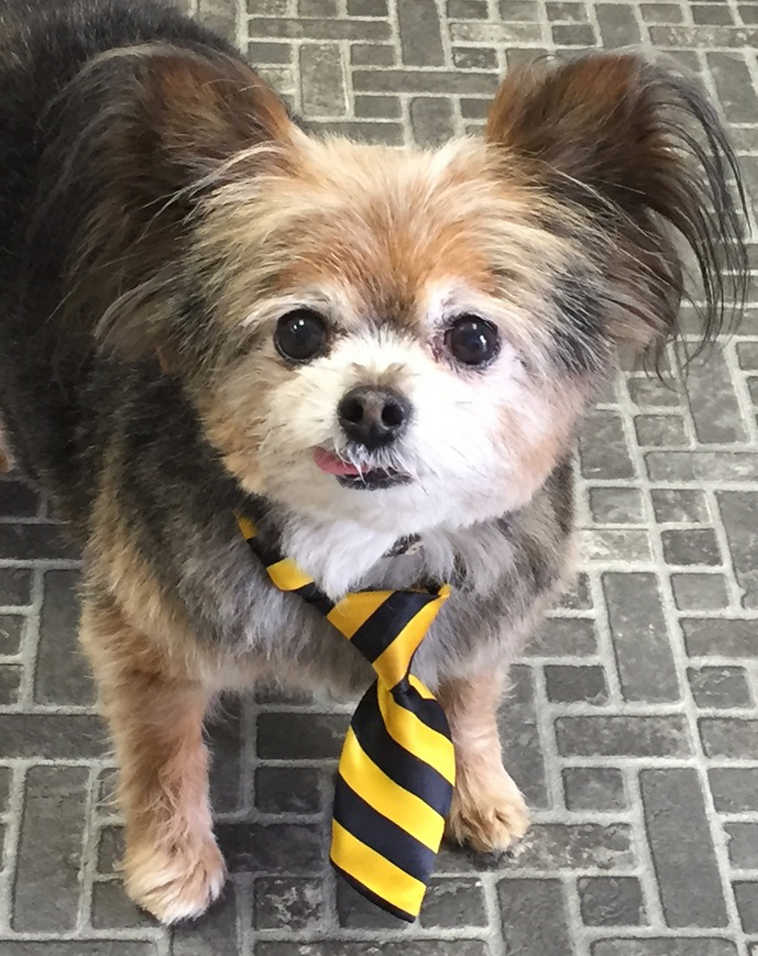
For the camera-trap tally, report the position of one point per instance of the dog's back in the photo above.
(46, 361)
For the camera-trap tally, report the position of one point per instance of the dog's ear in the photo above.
(635, 149)
(135, 144)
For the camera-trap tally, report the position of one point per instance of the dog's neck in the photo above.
(343, 556)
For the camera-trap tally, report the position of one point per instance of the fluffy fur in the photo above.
(161, 212)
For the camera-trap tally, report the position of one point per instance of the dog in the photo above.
(386, 352)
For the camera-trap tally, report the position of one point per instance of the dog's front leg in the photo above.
(488, 811)
(172, 865)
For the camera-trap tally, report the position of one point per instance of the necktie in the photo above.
(396, 773)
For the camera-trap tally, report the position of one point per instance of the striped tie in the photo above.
(397, 769)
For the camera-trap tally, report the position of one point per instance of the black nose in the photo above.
(373, 416)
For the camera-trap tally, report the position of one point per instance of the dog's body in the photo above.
(159, 212)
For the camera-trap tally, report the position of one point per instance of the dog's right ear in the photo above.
(135, 143)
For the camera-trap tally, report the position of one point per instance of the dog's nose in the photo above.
(373, 416)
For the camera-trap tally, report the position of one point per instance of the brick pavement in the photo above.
(632, 725)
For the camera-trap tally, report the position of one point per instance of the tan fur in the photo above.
(488, 812)
(172, 865)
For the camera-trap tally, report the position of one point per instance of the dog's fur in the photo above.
(160, 211)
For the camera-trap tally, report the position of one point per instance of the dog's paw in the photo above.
(488, 811)
(174, 884)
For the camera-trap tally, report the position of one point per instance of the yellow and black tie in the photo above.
(397, 769)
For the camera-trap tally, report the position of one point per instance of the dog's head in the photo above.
(406, 337)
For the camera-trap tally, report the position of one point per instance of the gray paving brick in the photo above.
(15, 586)
(78, 947)
(453, 903)
(669, 946)
(62, 675)
(467, 9)
(423, 81)
(322, 79)
(269, 53)
(643, 654)
(720, 687)
(690, 546)
(559, 637)
(618, 26)
(112, 908)
(220, 17)
(420, 36)
(287, 903)
(46, 893)
(738, 511)
(293, 736)
(611, 901)
(616, 505)
(567, 684)
(733, 86)
(10, 681)
(720, 638)
(517, 723)
(466, 58)
(12, 629)
(661, 12)
(407, 947)
(110, 849)
(215, 935)
(377, 106)
(602, 448)
(699, 592)
(17, 500)
(367, 8)
(519, 10)
(746, 896)
(660, 430)
(712, 13)
(623, 736)
(364, 54)
(534, 917)
(225, 743)
(702, 466)
(23, 542)
(356, 912)
(734, 789)
(569, 12)
(742, 843)
(431, 120)
(573, 34)
(558, 846)
(669, 798)
(320, 29)
(577, 596)
(724, 737)
(652, 392)
(594, 788)
(5, 782)
(270, 848)
(317, 8)
(51, 736)
(713, 403)
(287, 789)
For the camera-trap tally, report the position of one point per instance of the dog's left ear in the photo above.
(634, 149)
(135, 143)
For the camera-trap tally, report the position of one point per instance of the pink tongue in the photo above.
(331, 464)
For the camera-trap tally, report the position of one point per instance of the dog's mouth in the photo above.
(350, 476)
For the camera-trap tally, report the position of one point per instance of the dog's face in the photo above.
(394, 359)
(406, 338)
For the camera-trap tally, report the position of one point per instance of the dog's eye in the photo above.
(472, 341)
(300, 335)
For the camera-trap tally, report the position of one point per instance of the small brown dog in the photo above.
(204, 307)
